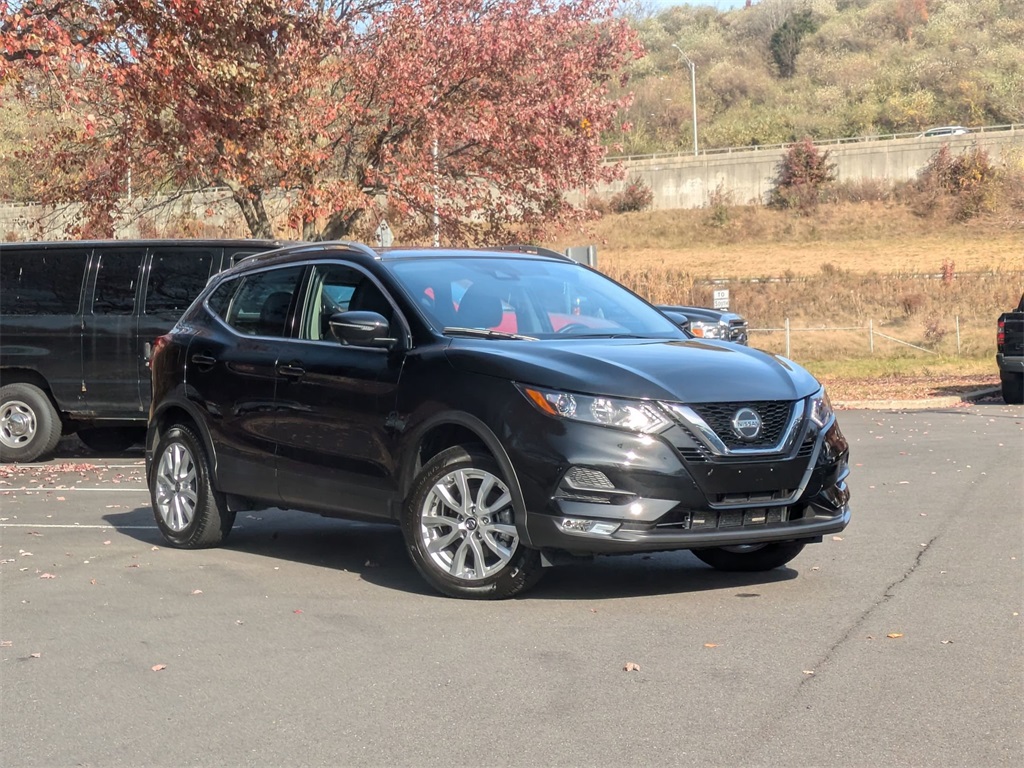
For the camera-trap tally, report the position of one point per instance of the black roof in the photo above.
(209, 242)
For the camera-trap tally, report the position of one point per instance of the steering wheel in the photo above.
(571, 326)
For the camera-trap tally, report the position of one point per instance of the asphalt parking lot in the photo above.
(308, 641)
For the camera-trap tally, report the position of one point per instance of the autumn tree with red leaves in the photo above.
(484, 111)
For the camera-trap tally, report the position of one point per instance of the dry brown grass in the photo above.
(852, 266)
(754, 241)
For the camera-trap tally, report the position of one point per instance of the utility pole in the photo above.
(693, 93)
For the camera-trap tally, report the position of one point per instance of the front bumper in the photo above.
(592, 490)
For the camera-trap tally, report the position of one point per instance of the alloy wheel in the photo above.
(176, 487)
(467, 526)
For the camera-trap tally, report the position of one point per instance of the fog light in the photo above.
(585, 479)
(593, 527)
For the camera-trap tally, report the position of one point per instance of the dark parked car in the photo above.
(508, 410)
(708, 323)
(76, 318)
(1010, 354)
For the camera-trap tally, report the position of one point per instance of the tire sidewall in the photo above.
(48, 426)
(523, 569)
(208, 506)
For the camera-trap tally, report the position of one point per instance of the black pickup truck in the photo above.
(1010, 353)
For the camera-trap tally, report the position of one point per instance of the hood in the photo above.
(694, 371)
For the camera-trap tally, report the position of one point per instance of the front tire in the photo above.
(459, 528)
(188, 511)
(1013, 387)
(29, 425)
(750, 558)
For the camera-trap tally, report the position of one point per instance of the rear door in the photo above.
(231, 372)
(175, 275)
(110, 348)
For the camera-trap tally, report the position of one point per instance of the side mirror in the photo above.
(362, 329)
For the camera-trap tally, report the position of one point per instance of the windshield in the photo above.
(528, 297)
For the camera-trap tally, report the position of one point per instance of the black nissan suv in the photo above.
(508, 410)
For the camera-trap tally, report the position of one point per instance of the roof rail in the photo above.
(317, 245)
(536, 250)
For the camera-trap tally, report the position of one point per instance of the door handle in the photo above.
(204, 360)
(291, 371)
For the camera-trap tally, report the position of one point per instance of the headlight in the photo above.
(634, 415)
(708, 330)
(821, 408)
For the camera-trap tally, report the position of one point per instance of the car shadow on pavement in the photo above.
(376, 553)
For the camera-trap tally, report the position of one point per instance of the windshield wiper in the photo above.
(485, 333)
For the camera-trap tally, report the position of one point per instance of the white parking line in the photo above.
(72, 488)
(76, 525)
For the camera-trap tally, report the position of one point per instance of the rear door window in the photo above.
(117, 278)
(258, 304)
(176, 277)
(41, 282)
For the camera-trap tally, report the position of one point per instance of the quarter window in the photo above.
(176, 277)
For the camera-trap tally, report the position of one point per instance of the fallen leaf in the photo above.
(197, 591)
(36, 655)
(837, 538)
(710, 645)
(297, 610)
(947, 642)
(105, 543)
(158, 667)
(631, 667)
(92, 581)
(47, 576)
(808, 671)
(132, 565)
(6, 643)
(894, 635)
(60, 498)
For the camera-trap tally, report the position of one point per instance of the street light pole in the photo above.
(693, 93)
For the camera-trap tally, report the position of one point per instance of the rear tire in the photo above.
(1013, 387)
(29, 425)
(188, 511)
(764, 557)
(111, 439)
(460, 531)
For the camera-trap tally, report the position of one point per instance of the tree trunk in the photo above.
(340, 224)
(250, 202)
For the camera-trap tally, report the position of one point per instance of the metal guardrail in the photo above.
(1010, 127)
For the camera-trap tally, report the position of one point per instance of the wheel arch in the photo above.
(451, 428)
(14, 375)
(178, 411)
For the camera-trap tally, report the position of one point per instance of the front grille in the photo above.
(774, 417)
(738, 331)
(756, 497)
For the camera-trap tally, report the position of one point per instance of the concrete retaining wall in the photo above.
(686, 181)
(680, 181)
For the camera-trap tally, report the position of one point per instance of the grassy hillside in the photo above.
(783, 69)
